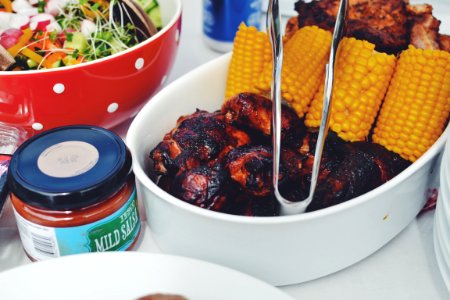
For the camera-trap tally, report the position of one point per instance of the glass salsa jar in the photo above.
(73, 191)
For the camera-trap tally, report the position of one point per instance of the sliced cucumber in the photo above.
(31, 63)
(151, 7)
(116, 46)
(78, 42)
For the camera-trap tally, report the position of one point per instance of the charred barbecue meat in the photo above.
(247, 205)
(214, 161)
(333, 154)
(389, 163)
(202, 186)
(212, 188)
(347, 182)
(390, 25)
(425, 27)
(444, 42)
(363, 167)
(198, 138)
(250, 110)
(255, 111)
(251, 168)
(384, 23)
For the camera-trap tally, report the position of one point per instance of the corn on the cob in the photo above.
(305, 56)
(361, 79)
(251, 51)
(417, 103)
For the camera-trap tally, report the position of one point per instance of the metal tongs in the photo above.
(273, 24)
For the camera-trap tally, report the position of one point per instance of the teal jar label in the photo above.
(114, 233)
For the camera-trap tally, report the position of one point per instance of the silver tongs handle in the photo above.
(273, 23)
(274, 28)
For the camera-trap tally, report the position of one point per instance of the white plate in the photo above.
(444, 198)
(442, 222)
(444, 191)
(445, 170)
(440, 258)
(129, 275)
(439, 231)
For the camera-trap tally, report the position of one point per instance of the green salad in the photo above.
(54, 33)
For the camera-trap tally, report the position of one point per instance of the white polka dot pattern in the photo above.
(177, 35)
(37, 126)
(112, 107)
(139, 63)
(59, 88)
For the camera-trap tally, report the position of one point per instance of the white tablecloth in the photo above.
(405, 268)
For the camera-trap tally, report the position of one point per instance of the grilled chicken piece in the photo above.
(209, 163)
(247, 205)
(347, 170)
(381, 22)
(389, 163)
(197, 138)
(291, 27)
(333, 153)
(292, 167)
(390, 25)
(356, 174)
(425, 27)
(211, 188)
(298, 189)
(255, 111)
(251, 168)
(202, 186)
(292, 164)
(364, 167)
(320, 13)
(444, 42)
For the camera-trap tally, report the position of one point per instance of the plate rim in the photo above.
(8, 276)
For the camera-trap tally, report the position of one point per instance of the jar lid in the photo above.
(69, 167)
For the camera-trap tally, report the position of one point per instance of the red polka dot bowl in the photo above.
(104, 92)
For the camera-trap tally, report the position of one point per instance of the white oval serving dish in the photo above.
(280, 250)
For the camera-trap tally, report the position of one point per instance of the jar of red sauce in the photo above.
(73, 191)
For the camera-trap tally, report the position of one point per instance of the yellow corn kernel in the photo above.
(361, 79)
(251, 51)
(417, 105)
(305, 56)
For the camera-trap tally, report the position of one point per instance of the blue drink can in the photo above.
(221, 19)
